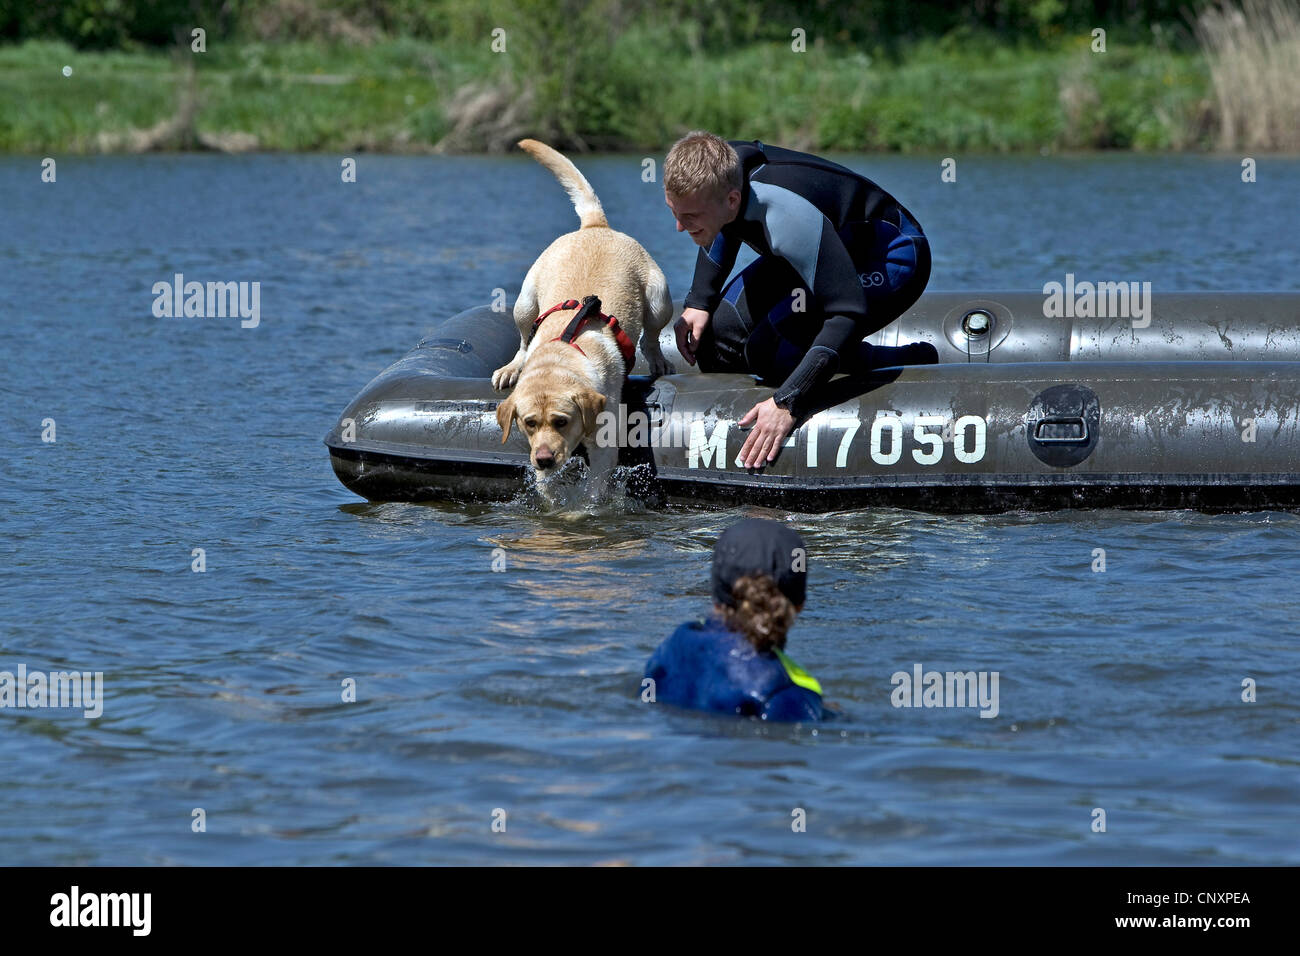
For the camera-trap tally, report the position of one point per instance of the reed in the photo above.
(1253, 54)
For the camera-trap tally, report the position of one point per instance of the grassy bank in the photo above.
(958, 93)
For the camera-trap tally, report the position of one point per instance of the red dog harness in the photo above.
(589, 308)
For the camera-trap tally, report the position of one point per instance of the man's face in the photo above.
(702, 216)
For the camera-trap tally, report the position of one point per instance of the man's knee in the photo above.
(713, 356)
(722, 346)
(869, 357)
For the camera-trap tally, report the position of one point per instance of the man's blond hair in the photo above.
(701, 162)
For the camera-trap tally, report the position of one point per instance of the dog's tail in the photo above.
(588, 207)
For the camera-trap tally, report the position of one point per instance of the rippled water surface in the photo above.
(480, 691)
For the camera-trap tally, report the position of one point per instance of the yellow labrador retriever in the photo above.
(572, 360)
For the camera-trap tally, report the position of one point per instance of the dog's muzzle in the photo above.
(553, 468)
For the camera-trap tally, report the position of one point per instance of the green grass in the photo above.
(640, 93)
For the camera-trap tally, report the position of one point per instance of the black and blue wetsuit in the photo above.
(706, 666)
(828, 239)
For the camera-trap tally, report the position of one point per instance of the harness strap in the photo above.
(589, 308)
(566, 304)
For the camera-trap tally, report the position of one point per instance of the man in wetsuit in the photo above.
(839, 259)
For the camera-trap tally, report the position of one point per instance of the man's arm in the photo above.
(712, 266)
(828, 270)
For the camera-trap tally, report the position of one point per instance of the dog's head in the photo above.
(553, 419)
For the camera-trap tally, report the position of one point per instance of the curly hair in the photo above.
(762, 613)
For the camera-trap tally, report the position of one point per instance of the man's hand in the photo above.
(689, 328)
(772, 426)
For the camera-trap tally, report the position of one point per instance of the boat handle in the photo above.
(456, 345)
(1076, 420)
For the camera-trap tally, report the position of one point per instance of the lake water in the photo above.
(479, 692)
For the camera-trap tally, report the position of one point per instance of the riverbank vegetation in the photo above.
(454, 75)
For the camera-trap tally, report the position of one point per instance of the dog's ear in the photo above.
(506, 416)
(591, 403)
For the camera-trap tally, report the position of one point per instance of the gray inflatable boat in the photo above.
(1198, 409)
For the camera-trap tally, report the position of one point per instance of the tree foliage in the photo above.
(868, 24)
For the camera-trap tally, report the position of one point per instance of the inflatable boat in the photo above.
(1197, 405)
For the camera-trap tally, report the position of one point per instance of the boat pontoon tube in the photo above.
(1198, 409)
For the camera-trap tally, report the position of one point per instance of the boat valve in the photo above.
(976, 322)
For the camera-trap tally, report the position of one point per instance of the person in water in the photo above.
(734, 662)
(839, 259)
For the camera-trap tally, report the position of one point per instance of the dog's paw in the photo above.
(505, 377)
(660, 366)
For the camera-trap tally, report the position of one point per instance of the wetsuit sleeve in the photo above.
(794, 703)
(837, 293)
(798, 232)
(712, 266)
